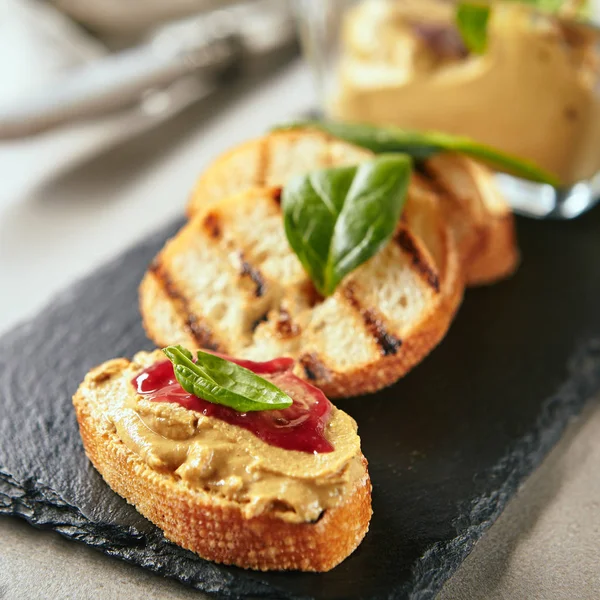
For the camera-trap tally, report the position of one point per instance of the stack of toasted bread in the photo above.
(229, 282)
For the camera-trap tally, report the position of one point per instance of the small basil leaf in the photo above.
(472, 20)
(336, 219)
(421, 145)
(221, 381)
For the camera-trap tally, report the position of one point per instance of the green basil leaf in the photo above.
(336, 219)
(221, 381)
(472, 20)
(421, 145)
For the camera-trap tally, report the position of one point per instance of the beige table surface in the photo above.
(56, 228)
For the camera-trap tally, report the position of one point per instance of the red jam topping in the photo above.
(298, 427)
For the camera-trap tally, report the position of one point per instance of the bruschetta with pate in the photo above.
(283, 488)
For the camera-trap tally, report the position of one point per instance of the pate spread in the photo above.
(532, 93)
(227, 461)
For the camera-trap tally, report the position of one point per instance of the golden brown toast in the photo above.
(229, 281)
(220, 523)
(478, 214)
(476, 210)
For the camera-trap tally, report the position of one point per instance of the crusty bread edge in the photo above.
(196, 201)
(496, 256)
(218, 531)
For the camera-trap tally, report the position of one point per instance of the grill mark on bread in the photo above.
(201, 333)
(311, 293)
(420, 169)
(247, 270)
(314, 368)
(286, 328)
(262, 319)
(276, 195)
(447, 194)
(406, 242)
(429, 178)
(388, 343)
(212, 225)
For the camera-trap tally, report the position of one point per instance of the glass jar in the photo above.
(533, 91)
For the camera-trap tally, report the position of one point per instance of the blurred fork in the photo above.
(208, 46)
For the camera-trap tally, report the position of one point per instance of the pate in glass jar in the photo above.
(530, 89)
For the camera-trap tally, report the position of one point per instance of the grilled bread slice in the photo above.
(229, 281)
(477, 212)
(288, 510)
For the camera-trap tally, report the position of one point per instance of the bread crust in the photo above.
(217, 530)
(499, 257)
(482, 220)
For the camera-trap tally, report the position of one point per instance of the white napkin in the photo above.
(37, 44)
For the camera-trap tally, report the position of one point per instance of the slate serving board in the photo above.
(448, 445)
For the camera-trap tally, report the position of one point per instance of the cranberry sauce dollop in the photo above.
(298, 427)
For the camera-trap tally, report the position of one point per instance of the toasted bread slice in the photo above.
(229, 281)
(253, 520)
(478, 214)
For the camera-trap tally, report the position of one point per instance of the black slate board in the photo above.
(447, 446)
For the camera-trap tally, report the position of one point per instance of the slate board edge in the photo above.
(30, 504)
(518, 463)
(428, 578)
